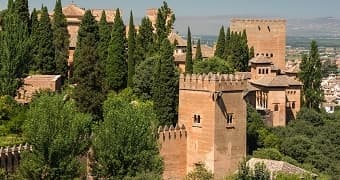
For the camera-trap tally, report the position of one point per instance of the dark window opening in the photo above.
(229, 118)
(262, 71)
(266, 71)
(293, 105)
(259, 28)
(257, 54)
(197, 118)
(271, 55)
(276, 107)
(266, 54)
(259, 71)
(268, 28)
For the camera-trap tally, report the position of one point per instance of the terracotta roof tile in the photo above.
(260, 59)
(276, 81)
(72, 10)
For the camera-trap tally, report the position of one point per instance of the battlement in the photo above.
(5, 151)
(212, 82)
(171, 132)
(258, 20)
(10, 156)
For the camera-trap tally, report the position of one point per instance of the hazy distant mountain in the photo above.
(210, 25)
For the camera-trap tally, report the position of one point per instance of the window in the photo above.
(262, 71)
(259, 28)
(293, 105)
(268, 28)
(271, 55)
(259, 71)
(266, 71)
(276, 107)
(266, 54)
(197, 119)
(229, 120)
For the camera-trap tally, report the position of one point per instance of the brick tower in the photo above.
(267, 36)
(212, 115)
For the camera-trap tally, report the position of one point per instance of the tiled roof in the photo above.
(260, 59)
(110, 14)
(278, 166)
(72, 10)
(180, 41)
(276, 81)
(293, 69)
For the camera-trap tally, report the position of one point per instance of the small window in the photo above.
(262, 71)
(268, 28)
(229, 118)
(271, 55)
(197, 119)
(276, 107)
(259, 28)
(266, 71)
(259, 71)
(257, 54)
(293, 105)
(266, 54)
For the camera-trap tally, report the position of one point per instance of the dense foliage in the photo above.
(214, 65)
(164, 24)
(198, 55)
(58, 134)
(116, 65)
(200, 173)
(165, 86)
(220, 44)
(125, 143)
(143, 80)
(88, 92)
(311, 76)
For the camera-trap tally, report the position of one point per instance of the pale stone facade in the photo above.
(212, 117)
(35, 83)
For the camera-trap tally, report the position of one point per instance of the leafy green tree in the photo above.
(165, 88)
(46, 51)
(268, 153)
(144, 40)
(14, 50)
(131, 51)
(125, 143)
(214, 65)
(88, 92)
(296, 147)
(188, 56)
(244, 172)
(60, 40)
(143, 80)
(310, 115)
(311, 75)
(198, 56)
(164, 24)
(220, 44)
(254, 123)
(200, 173)
(104, 39)
(58, 134)
(116, 66)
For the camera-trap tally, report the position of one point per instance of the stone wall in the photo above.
(10, 156)
(173, 144)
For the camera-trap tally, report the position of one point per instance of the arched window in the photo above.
(293, 105)
(197, 119)
(266, 71)
(259, 71)
(271, 55)
(262, 71)
(276, 107)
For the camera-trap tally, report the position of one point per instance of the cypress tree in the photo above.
(60, 40)
(164, 24)
(34, 38)
(251, 52)
(104, 38)
(45, 55)
(188, 56)
(220, 44)
(311, 76)
(198, 56)
(14, 50)
(244, 52)
(88, 93)
(116, 66)
(144, 40)
(227, 44)
(131, 51)
(165, 89)
(21, 8)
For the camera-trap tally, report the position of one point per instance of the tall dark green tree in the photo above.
(14, 50)
(131, 51)
(104, 38)
(116, 66)
(198, 55)
(60, 40)
(311, 76)
(164, 24)
(188, 55)
(165, 90)
(34, 38)
(45, 55)
(21, 8)
(144, 40)
(227, 44)
(251, 52)
(88, 92)
(220, 44)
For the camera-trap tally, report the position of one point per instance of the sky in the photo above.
(207, 15)
(277, 8)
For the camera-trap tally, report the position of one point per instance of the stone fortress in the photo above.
(211, 127)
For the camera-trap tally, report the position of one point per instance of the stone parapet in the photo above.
(10, 156)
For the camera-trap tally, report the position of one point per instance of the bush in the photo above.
(214, 65)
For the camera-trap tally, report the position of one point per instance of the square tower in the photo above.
(267, 36)
(213, 110)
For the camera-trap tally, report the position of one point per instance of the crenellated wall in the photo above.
(173, 144)
(212, 82)
(10, 156)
